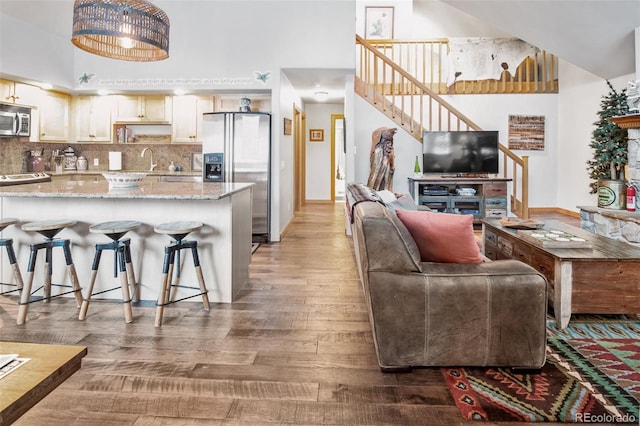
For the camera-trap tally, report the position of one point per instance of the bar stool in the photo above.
(115, 230)
(48, 229)
(178, 231)
(7, 243)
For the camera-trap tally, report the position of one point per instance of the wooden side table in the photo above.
(49, 366)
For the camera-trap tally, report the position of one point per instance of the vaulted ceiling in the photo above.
(595, 35)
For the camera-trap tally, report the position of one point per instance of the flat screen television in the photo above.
(460, 152)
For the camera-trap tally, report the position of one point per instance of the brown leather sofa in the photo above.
(444, 314)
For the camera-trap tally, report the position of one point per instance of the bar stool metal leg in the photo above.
(171, 274)
(121, 264)
(7, 243)
(15, 268)
(48, 229)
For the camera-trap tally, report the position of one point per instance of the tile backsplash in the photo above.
(14, 160)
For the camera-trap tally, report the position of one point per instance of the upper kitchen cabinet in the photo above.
(187, 117)
(54, 116)
(143, 108)
(92, 118)
(18, 93)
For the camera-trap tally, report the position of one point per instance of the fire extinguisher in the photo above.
(631, 198)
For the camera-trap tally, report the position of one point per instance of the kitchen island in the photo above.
(224, 241)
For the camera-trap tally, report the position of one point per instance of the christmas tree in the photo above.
(608, 140)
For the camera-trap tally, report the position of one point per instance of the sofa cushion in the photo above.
(442, 237)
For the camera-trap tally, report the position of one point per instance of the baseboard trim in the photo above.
(554, 210)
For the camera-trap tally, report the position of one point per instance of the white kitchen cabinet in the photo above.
(54, 116)
(92, 118)
(19, 93)
(187, 117)
(143, 108)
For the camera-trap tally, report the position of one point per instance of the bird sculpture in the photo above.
(382, 159)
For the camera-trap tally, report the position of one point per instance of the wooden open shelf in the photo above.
(629, 121)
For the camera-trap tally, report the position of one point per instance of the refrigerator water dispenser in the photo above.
(213, 167)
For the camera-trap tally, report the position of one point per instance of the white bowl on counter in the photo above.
(124, 180)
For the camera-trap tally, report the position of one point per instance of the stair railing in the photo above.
(427, 61)
(416, 108)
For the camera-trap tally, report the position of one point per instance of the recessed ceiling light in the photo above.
(321, 96)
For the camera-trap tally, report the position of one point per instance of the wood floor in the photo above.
(295, 348)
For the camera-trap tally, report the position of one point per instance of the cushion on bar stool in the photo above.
(115, 230)
(49, 229)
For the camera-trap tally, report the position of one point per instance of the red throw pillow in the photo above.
(442, 237)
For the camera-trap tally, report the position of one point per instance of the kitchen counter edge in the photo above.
(147, 190)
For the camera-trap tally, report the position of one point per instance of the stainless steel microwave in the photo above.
(15, 120)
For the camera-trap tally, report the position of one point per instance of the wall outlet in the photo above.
(96, 162)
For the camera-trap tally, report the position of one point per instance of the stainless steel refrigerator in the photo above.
(236, 147)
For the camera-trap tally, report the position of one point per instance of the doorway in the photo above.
(299, 155)
(338, 155)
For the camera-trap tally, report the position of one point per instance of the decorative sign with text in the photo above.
(526, 132)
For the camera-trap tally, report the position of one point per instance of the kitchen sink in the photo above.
(179, 178)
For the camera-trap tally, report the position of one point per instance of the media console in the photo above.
(482, 197)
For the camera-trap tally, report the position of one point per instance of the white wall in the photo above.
(578, 105)
(368, 119)
(222, 44)
(491, 112)
(30, 53)
(318, 154)
(282, 161)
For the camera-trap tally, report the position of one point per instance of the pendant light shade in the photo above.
(131, 30)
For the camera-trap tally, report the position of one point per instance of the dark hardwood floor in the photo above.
(295, 348)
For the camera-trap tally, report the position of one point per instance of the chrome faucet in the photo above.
(152, 166)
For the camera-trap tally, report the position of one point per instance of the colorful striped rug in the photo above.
(592, 375)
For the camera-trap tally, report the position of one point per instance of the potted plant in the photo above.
(609, 144)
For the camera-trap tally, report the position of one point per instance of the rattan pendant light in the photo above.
(131, 30)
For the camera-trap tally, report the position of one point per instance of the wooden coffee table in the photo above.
(49, 366)
(603, 279)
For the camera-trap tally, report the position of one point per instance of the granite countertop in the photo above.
(100, 172)
(150, 188)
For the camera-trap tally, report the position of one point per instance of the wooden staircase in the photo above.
(415, 108)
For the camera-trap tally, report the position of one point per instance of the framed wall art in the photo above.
(378, 23)
(526, 132)
(316, 135)
(287, 126)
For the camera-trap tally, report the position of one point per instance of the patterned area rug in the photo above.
(592, 374)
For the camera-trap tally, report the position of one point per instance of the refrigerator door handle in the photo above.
(229, 160)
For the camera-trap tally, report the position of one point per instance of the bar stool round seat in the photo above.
(7, 221)
(178, 231)
(7, 243)
(115, 230)
(48, 229)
